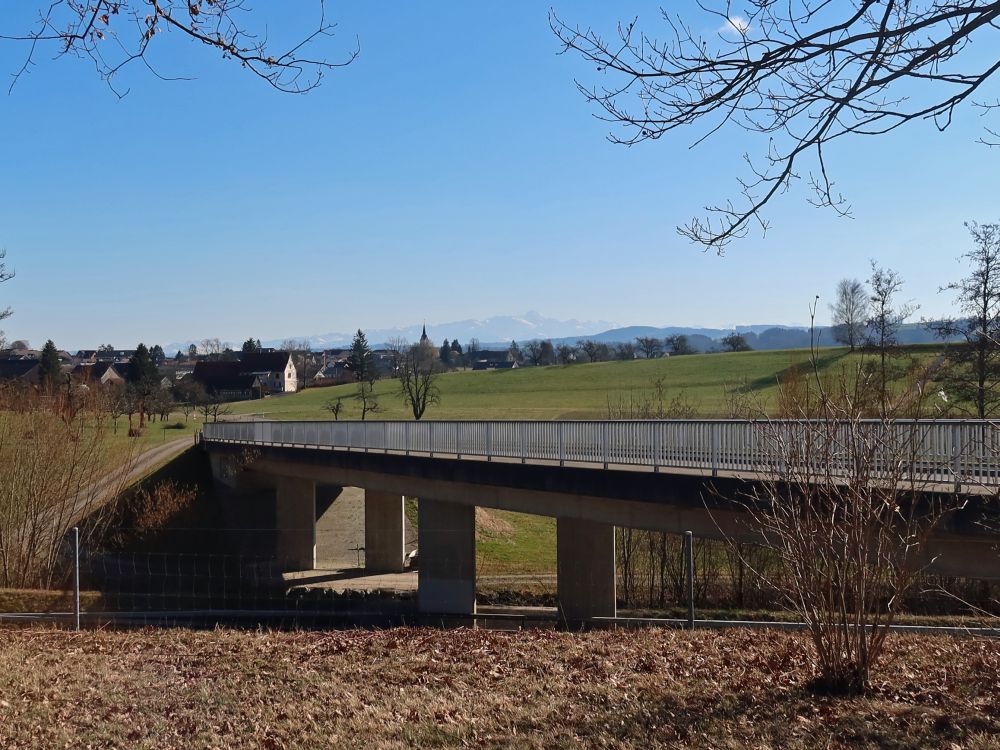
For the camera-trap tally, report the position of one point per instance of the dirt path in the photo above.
(122, 476)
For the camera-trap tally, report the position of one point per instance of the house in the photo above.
(234, 387)
(103, 373)
(275, 373)
(116, 355)
(490, 360)
(276, 370)
(20, 370)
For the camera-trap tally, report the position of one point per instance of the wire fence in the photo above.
(660, 577)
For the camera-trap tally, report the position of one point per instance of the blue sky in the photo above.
(452, 172)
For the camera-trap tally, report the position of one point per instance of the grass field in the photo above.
(429, 688)
(565, 392)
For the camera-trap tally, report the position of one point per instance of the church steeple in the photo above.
(423, 335)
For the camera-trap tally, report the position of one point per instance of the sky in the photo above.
(453, 171)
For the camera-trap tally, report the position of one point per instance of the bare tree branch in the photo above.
(802, 73)
(113, 34)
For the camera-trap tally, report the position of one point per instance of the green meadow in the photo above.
(583, 391)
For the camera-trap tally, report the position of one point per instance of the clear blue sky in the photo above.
(453, 171)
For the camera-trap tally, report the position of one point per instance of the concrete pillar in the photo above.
(585, 563)
(384, 523)
(327, 550)
(447, 557)
(295, 523)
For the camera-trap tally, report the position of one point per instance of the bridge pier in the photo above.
(295, 523)
(446, 579)
(384, 532)
(585, 566)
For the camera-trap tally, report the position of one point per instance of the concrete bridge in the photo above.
(671, 476)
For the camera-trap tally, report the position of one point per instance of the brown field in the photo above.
(431, 688)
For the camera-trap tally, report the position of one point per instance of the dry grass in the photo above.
(429, 688)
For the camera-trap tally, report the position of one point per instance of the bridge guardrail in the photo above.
(938, 450)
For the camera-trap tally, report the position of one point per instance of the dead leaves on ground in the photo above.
(430, 688)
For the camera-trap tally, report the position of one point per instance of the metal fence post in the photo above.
(689, 554)
(76, 577)
(562, 445)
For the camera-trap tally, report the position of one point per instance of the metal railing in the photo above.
(938, 450)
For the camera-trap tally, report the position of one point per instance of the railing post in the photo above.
(76, 577)
(689, 555)
(715, 448)
(385, 437)
(562, 444)
(956, 455)
(430, 438)
(458, 440)
(520, 431)
(406, 438)
(489, 441)
(605, 448)
(657, 445)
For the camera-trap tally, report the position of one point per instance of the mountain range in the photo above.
(498, 331)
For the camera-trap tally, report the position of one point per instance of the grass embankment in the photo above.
(429, 688)
(566, 392)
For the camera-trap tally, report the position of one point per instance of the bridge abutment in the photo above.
(585, 566)
(384, 532)
(447, 557)
(295, 523)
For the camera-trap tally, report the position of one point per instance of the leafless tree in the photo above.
(849, 312)
(650, 346)
(566, 354)
(417, 374)
(973, 372)
(212, 347)
(625, 351)
(209, 403)
(851, 522)
(366, 396)
(114, 34)
(886, 316)
(678, 345)
(53, 475)
(803, 74)
(335, 406)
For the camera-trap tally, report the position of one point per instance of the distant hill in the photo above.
(497, 333)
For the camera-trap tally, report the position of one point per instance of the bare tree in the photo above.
(735, 342)
(973, 373)
(417, 376)
(625, 351)
(849, 312)
(335, 406)
(566, 354)
(886, 316)
(5, 275)
(678, 345)
(212, 347)
(851, 522)
(650, 346)
(114, 34)
(366, 396)
(52, 481)
(803, 74)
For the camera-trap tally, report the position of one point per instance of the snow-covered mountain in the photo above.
(500, 328)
